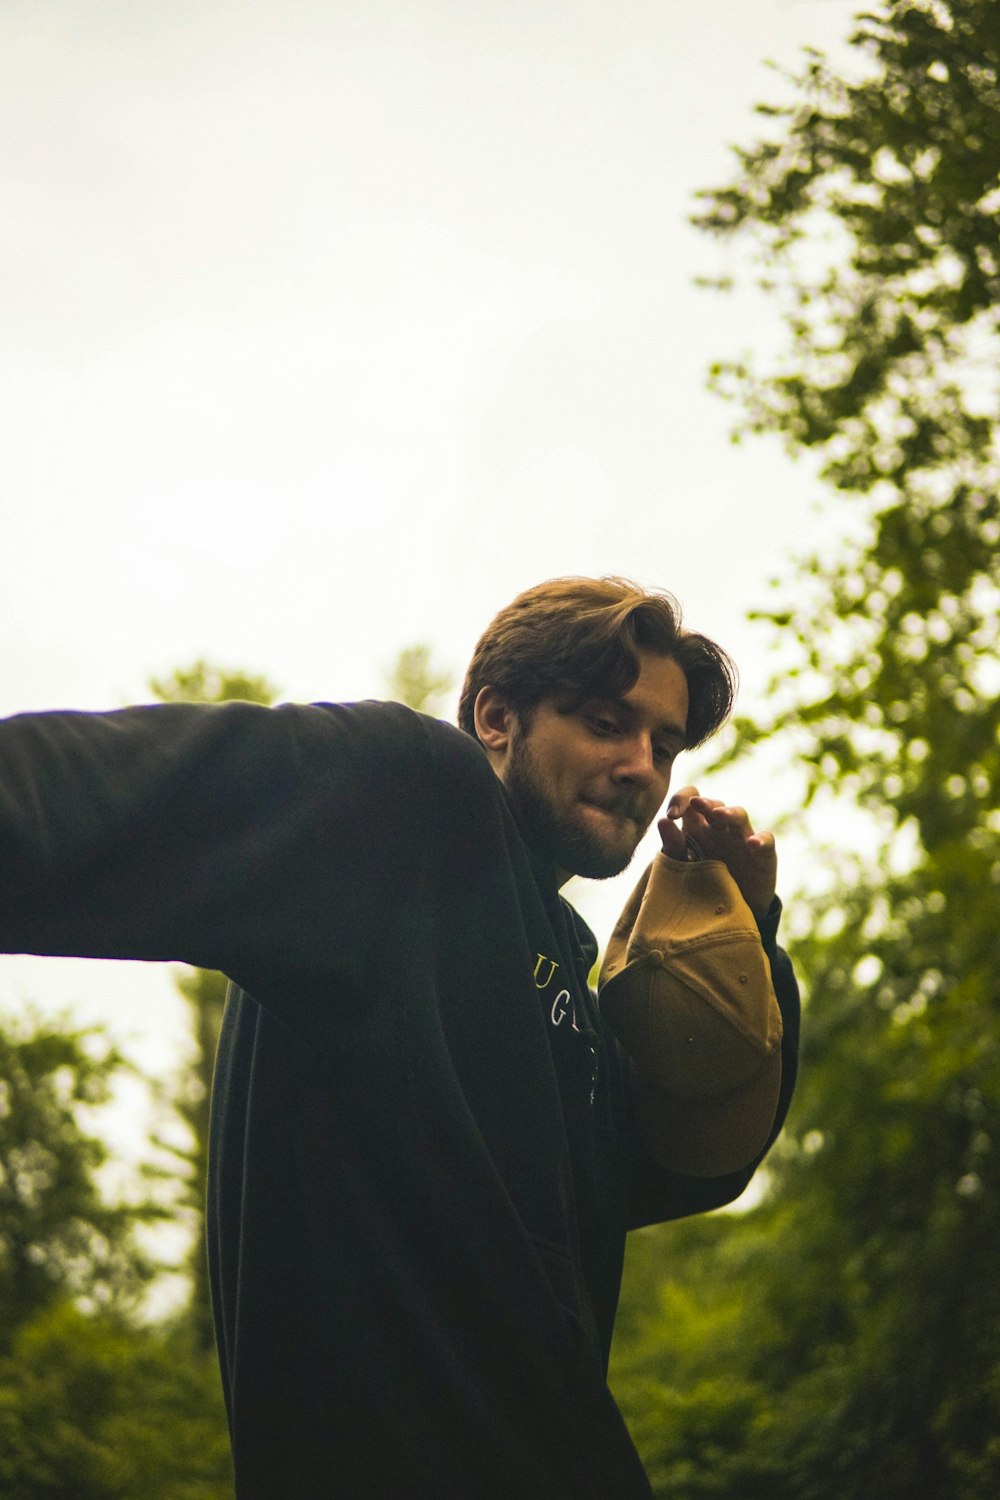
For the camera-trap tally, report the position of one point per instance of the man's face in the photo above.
(587, 784)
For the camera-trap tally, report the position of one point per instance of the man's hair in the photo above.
(577, 638)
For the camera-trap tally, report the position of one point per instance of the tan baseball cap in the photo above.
(686, 987)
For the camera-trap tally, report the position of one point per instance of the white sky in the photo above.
(326, 327)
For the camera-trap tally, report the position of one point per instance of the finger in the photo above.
(732, 819)
(693, 820)
(678, 803)
(762, 841)
(705, 804)
(672, 839)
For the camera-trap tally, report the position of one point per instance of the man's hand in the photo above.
(697, 827)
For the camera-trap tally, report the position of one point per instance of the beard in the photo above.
(569, 842)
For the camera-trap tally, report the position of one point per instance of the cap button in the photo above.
(743, 979)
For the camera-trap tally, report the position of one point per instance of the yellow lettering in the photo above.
(541, 984)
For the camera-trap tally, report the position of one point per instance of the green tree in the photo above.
(891, 376)
(94, 1408)
(843, 1339)
(60, 1239)
(94, 1405)
(204, 990)
(417, 682)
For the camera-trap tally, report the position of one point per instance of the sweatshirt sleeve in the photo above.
(229, 836)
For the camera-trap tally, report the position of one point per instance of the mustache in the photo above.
(621, 807)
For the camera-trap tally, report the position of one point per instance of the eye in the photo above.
(604, 728)
(664, 753)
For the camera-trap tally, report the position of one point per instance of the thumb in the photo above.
(672, 837)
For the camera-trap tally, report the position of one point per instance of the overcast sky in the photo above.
(326, 326)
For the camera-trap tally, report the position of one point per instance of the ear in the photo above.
(495, 721)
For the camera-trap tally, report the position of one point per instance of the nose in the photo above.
(636, 763)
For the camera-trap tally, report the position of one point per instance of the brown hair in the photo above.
(578, 638)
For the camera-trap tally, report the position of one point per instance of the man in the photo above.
(428, 1140)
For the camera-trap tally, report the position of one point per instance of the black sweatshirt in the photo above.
(423, 1162)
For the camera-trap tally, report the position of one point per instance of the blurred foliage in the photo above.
(874, 208)
(205, 682)
(842, 1339)
(205, 992)
(92, 1408)
(60, 1238)
(417, 682)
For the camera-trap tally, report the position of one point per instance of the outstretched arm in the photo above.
(224, 835)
